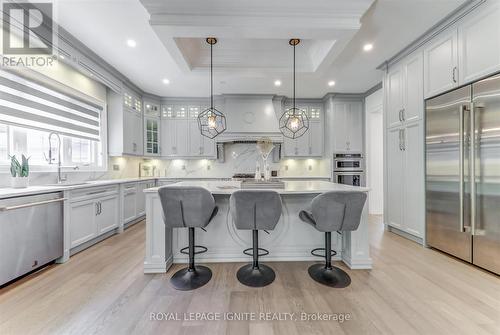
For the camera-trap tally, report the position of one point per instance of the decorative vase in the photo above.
(19, 182)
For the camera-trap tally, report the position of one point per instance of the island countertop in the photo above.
(291, 187)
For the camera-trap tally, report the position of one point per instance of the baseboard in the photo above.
(133, 222)
(90, 243)
(404, 234)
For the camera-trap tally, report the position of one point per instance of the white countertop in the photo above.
(291, 187)
(32, 190)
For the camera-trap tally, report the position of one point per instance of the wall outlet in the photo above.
(116, 167)
(286, 167)
(310, 167)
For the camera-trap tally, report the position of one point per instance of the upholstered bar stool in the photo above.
(188, 207)
(333, 211)
(255, 210)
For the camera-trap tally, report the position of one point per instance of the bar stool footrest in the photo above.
(248, 252)
(313, 252)
(185, 250)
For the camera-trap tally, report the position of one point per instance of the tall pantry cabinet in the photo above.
(404, 183)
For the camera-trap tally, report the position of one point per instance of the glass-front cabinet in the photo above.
(152, 132)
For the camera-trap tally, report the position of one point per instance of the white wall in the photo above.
(375, 151)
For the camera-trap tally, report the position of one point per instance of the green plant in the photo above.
(19, 169)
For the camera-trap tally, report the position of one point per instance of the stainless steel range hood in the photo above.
(251, 117)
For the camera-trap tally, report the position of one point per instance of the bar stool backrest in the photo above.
(186, 206)
(255, 209)
(338, 211)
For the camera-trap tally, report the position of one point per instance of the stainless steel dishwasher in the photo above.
(31, 233)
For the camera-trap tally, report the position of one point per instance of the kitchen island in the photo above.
(291, 240)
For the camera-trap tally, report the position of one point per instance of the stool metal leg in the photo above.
(327, 274)
(255, 274)
(194, 276)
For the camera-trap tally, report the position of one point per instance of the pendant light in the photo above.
(294, 122)
(211, 122)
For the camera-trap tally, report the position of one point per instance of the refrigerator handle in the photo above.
(472, 164)
(463, 108)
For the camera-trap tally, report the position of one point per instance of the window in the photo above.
(32, 143)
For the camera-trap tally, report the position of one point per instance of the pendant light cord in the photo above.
(294, 79)
(211, 78)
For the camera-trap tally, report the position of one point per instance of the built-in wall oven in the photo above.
(349, 169)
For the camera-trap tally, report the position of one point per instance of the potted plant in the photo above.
(19, 172)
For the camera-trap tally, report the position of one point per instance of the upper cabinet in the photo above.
(181, 137)
(151, 127)
(347, 126)
(479, 43)
(441, 63)
(404, 91)
(465, 52)
(312, 142)
(125, 120)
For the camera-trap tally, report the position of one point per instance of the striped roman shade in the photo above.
(25, 103)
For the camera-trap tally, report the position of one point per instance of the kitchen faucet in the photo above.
(50, 160)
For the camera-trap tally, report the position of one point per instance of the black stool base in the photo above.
(186, 279)
(332, 277)
(255, 277)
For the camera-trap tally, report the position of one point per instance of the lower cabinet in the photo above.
(134, 199)
(93, 212)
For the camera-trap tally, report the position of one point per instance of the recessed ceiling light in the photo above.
(331, 83)
(277, 83)
(131, 43)
(368, 47)
(166, 81)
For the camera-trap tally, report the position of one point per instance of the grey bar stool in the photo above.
(255, 210)
(188, 207)
(333, 211)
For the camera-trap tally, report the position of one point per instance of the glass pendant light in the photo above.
(294, 122)
(211, 122)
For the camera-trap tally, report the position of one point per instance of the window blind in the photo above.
(25, 103)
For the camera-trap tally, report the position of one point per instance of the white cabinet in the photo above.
(405, 178)
(107, 215)
(311, 144)
(394, 176)
(151, 136)
(93, 211)
(394, 95)
(441, 63)
(347, 126)
(181, 137)
(141, 197)
(125, 124)
(129, 195)
(82, 223)
(479, 43)
(404, 91)
(413, 171)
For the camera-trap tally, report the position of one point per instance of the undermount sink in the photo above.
(70, 184)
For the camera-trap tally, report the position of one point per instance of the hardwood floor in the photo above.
(102, 290)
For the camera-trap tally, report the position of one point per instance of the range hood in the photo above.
(251, 117)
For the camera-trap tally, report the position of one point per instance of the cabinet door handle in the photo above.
(400, 120)
(400, 145)
(402, 115)
(455, 74)
(403, 144)
(96, 208)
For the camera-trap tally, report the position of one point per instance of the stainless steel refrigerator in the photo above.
(463, 173)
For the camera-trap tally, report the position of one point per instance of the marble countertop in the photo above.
(32, 190)
(291, 187)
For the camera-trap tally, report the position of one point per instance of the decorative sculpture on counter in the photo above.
(211, 122)
(265, 146)
(294, 122)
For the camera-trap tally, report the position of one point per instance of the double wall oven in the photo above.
(349, 169)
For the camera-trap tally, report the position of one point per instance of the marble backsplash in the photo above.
(239, 158)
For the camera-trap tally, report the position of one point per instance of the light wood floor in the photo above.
(411, 290)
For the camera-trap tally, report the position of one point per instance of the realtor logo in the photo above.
(27, 28)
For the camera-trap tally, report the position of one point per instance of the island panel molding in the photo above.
(291, 241)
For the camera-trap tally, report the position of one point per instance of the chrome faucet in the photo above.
(50, 160)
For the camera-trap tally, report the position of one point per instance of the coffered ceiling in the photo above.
(253, 50)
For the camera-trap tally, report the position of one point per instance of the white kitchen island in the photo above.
(291, 240)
